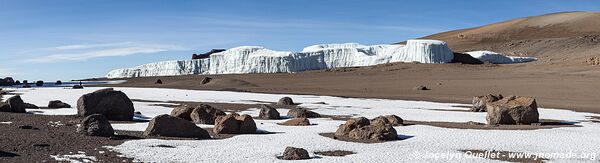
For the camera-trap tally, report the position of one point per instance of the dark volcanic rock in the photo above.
(31, 106)
(205, 80)
(13, 104)
(158, 81)
(96, 125)
(58, 104)
(39, 83)
(421, 88)
(115, 105)
(77, 86)
(234, 124)
(512, 110)
(480, 102)
(292, 153)
(285, 101)
(205, 114)
(302, 113)
(169, 126)
(207, 54)
(58, 82)
(268, 112)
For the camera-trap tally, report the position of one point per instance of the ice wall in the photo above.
(256, 59)
(497, 58)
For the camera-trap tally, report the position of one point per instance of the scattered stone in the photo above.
(205, 80)
(58, 104)
(302, 113)
(96, 125)
(292, 153)
(388, 119)
(183, 112)
(58, 82)
(285, 101)
(26, 86)
(39, 83)
(421, 88)
(77, 86)
(234, 124)
(27, 127)
(169, 126)
(512, 110)
(158, 81)
(205, 114)
(297, 122)
(362, 129)
(479, 102)
(115, 105)
(13, 104)
(268, 112)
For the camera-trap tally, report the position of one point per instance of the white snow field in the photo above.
(256, 59)
(420, 142)
(497, 58)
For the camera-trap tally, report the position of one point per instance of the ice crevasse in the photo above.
(256, 59)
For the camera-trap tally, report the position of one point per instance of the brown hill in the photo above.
(559, 40)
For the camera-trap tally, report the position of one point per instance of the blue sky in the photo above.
(74, 39)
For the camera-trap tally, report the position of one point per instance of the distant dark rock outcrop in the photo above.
(207, 54)
(8, 81)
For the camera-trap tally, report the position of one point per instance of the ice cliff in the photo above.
(256, 59)
(497, 58)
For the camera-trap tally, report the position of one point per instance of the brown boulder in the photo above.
(512, 110)
(205, 80)
(95, 125)
(268, 112)
(115, 105)
(292, 153)
(234, 124)
(205, 114)
(285, 101)
(169, 126)
(297, 122)
(58, 104)
(421, 88)
(479, 102)
(302, 113)
(388, 119)
(362, 129)
(183, 112)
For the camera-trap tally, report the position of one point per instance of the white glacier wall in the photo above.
(256, 59)
(497, 58)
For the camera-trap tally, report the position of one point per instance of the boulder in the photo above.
(17, 82)
(13, 104)
(183, 112)
(512, 110)
(77, 86)
(58, 82)
(115, 105)
(388, 119)
(205, 80)
(234, 124)
(285, 101)
(297, 122)
(268, 112)
(292, 153)
(39, 83)
(205, 114)
(169, 126)
(479, 102)
(158, 81)
(302, 113)
(95, 125)
(421, 88)
(58, 104)
(362, 129)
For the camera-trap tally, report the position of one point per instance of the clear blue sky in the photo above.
(60, 39)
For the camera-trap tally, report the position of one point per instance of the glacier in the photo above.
(497, 58)
(257, 59)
